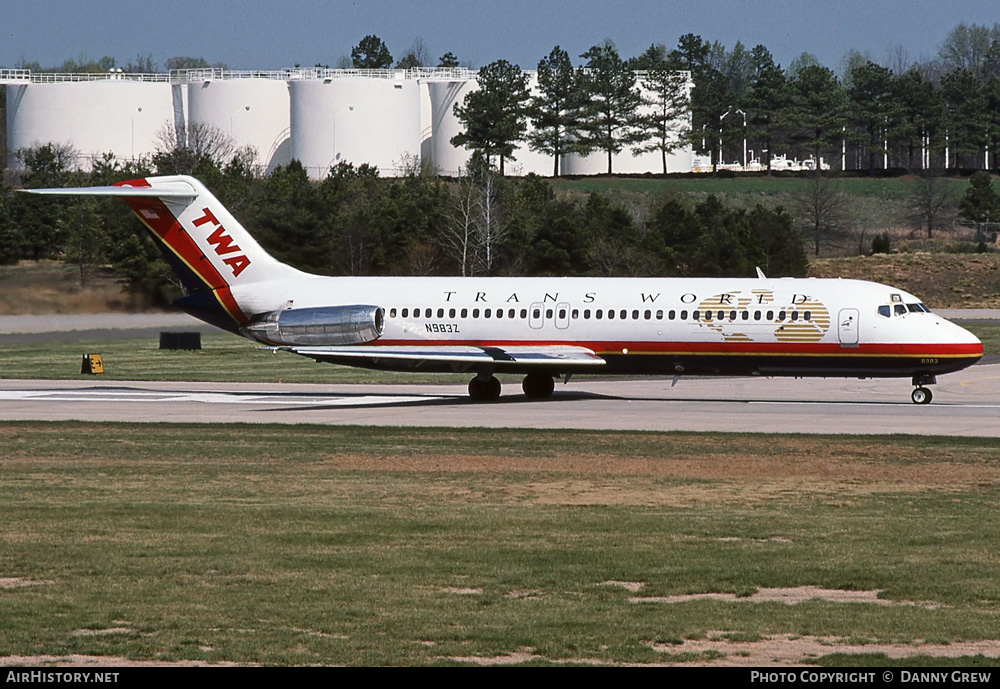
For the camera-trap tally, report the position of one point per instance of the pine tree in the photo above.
(553, 110)
(494, 117)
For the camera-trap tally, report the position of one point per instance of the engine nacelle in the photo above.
(318, 326)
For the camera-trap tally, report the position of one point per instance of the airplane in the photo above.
(541, 328)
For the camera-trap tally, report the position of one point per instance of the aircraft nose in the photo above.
(966, 340)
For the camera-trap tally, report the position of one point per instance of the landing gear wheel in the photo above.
(484, 390)
(538, 385)
(921, 396)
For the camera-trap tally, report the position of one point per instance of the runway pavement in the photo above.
(965, 404)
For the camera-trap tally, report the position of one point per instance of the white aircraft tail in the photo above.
(206, 246)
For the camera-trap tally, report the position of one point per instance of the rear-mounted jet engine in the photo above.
(325, 325)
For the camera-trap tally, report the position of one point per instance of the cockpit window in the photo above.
(899, 309)
(884, 311)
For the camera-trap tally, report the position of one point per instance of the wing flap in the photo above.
(416, 355)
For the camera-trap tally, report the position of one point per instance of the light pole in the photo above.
(730, 112)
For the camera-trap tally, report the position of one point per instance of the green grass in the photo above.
(222, 358)
(762, 187)
(318, 545)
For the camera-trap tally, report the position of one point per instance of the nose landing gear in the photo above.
(920, 394)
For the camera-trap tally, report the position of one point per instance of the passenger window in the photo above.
(475, 313)
(440, 313)
(511, 313)
(428, 313)
(623, 314)
(536, 313)
(795, 316)
(465, 313)
(708, 315)
(647, 314)
(781, 315)
(487, 313)
(721, 315)
(770, 315)
(611, 314)
(671, 314)
(598, 315)
(451, 313)
(576, 314)
(696, 315)
(807, 316)
(548, 313)
(562, 314)
(684, 315)
(746, 315)
(659, 315)
(586, 314)
(756, 315)
(635, 314)
(732, 315)
(405, 312)
(524, 313)
(392, 312)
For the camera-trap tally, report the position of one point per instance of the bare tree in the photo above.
(932, 200)
(179, 149)
(418, 55)
(820, 208)
(458, 230)
(491, 228)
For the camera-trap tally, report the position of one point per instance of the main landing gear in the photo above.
(920, 394)
(486, 388)
(538, 386)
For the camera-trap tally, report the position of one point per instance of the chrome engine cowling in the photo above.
(318, 326)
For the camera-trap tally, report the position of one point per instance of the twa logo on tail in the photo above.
(222, 243)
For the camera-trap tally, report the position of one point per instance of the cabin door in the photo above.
(847, 328)
(536, 315)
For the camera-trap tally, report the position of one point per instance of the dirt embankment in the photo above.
(942, 281)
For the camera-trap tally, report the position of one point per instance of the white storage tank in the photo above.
(356, 118)
(444, 94)
(119, 115)
(252, 111)
(451, 160)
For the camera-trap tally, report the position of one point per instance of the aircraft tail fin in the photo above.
(206, 246)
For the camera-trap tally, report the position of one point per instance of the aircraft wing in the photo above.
(459, 357)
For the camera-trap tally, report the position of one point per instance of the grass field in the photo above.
(760, 186)
(247, 545)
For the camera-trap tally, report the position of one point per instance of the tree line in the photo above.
(355, 222)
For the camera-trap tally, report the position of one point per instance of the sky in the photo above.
(263, 35)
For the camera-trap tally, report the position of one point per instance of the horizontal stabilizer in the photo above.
(173, 190)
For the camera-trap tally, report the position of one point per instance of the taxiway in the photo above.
(965, 404)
